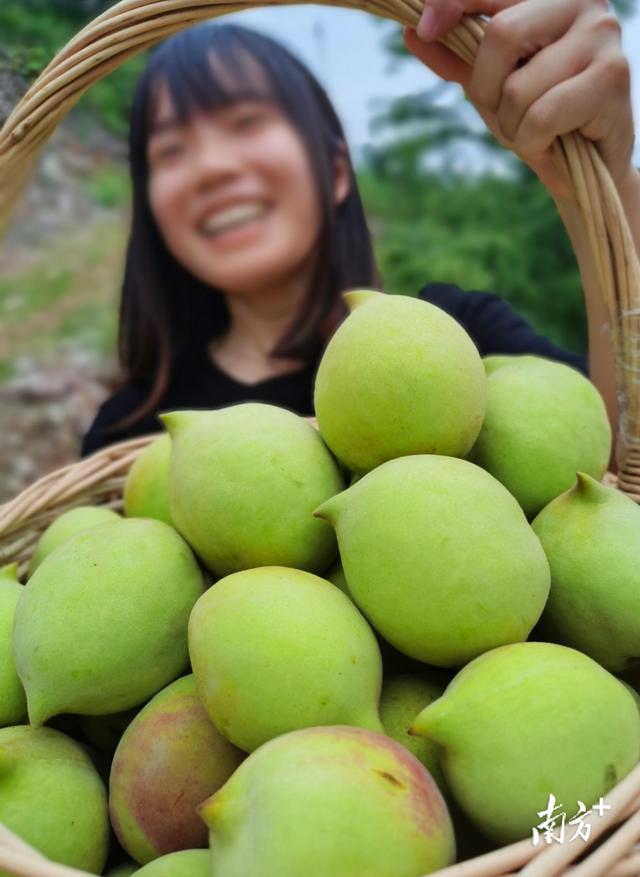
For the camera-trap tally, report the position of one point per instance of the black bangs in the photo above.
(214, 65)
(204, 69)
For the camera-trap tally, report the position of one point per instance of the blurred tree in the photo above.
(450, 204)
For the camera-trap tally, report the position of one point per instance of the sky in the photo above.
(324, 38)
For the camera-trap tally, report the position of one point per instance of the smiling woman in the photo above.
(247, 227)
(225, 119)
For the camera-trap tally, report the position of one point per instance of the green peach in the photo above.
(9, 573)
(497, 360)
(276, 649)
(102, 624)
(631, 676)
(403, 697)
(544, 422)
(65, 525)
(393, 661)
(440, 558)
(146, 488)
(525, 721)
(13, 703)
(168, 761)
(185, 863)
(332, 800)
(634, 694)
(591, 536)
(52, 797)
(104, 732)
(400, 376)
(337, 577)
(244, 482)
(126, 869)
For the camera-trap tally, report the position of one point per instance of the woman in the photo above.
(247, 223)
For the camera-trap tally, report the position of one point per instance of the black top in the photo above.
(490, 321)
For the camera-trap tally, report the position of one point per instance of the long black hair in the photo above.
(167, 315)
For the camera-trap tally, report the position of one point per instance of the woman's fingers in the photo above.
(517, 31)
(544, 68)
(438, 58)
(513, 35)
(562, 60)
(439, 16)
(594, 103)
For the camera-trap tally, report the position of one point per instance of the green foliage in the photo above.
(110, 186)
(33, 31)
(6, 371)
(492, 231)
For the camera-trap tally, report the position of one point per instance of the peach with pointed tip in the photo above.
(400, 376)
(102, 624)
(328, 801)
(244, 481)
(527, 720)
(591, 536)
(439, 557)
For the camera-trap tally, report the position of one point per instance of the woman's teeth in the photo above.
(231, 218)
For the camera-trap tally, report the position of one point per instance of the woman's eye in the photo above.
(171, 149)
(248, 119)
(166, 151)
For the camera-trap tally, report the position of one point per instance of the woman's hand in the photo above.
(544, 68)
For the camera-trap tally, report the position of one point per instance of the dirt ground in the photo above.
(60, 269)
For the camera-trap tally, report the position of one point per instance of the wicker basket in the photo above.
(134, 25)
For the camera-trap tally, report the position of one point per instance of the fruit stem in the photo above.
(356, 297)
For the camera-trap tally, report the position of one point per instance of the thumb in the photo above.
(442, 61)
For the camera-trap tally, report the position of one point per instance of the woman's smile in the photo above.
(237, 228)
(231, 217)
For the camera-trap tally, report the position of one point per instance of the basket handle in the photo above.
(134, 25)
(19, 858)
(613, 249)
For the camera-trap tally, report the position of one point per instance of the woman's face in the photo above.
(245, 158)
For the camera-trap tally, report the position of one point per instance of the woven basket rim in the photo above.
(133, 25)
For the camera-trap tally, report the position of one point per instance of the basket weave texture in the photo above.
(134, 25)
